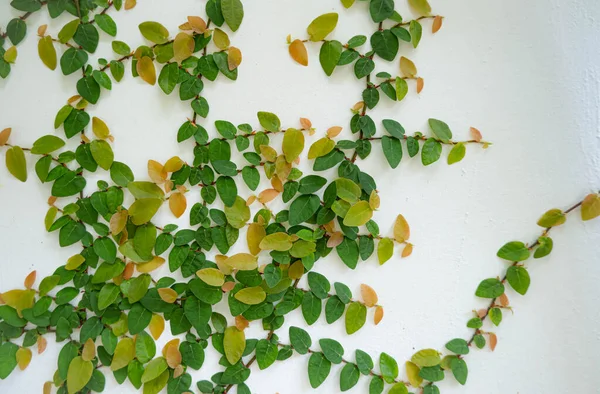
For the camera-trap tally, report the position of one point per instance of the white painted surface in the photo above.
(524, 73)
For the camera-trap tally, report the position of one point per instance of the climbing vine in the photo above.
(104, 303)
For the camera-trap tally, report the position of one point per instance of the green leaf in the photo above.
(192, 354)
(266, 353)
(108, 294)
(459, 370)
(416, 31)
(553, 217)
(8, 358)
(432, 374)
(68, 31)
(79, 374)
(458, 346)
(376, 385)
(72, 60)
(457, 153)
(71, 233)
(364, 362)
(102, 153)
(233, 13)
(269, 121)
(303, 208)
(388, 367)
(124, 353)
(385, 44)
(398, 388)
(87, 37)
(318, 369)
(385, 250)
(121, 48)
(490, 288)
(143, 210)
(380, 10)
(293, 144)
(440, 129)
(227, 190)
(154, 31)
(514, 251)
(319, 285)
(358, 214)
(426, 358)
(545, 247)
(300, 340)
(334, 309)
(349, 377)
(16, 30)
(496, 316)
(121, 174)
(16, 163)
(154, 369)
(321, 26)
(347, 190)
(329, 56)
(107, 24)
(431, 152)
(518, 278)
(356, 316)
(392, 150)
(332, 350)
(138, 288)
(311, 308)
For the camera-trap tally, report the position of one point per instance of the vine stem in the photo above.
(423, 138)
(417, 19)
(546, 231)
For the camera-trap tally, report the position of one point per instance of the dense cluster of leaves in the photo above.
(105, 305)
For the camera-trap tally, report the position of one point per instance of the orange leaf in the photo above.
(30, 279)
(41, 31)
(369, 295)
(197, 24)
(177, 204)
(503, 299)
(167, 294)
(241, 323)
(250, 200)
(305, 123)
(172, 343)
(157, 326)
(4, 134)
(128, 271)
(334, 131)
(475, 134)
(228, 286)
(407, 251)
(420, 84)
(437, 24)
(146, 70)
(298, 52)
(335, 239)
(481, 313)
(234, 58)
(156, 172)
(173, 356)
(267, 195)
(41, 344)
(378, 315)
(493, 340)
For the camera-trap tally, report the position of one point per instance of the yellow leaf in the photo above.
(296, 270)
(268, 152)
(221, 262)
(238, 214)
(74, 262)
(151, 265)
(183, 46)
(211, 276)
(590, 207)
(378, 315)
(407, 67)
(321, 26)
(157, 326)
(374, 200)
(11, 54)
(242, 261)
(277, 241)
(129, 4)
(47, 52)
(19, 299)
(293, 144)
(412, 372)
(79, 374)
(47, 388)
(174, 164)
(234, 58)
(145, 69)
(254, 236)
(221, 39)
(89, 350)
(251, 295)
(298, 53)
(118, 221)
(4, 134)
(358, 214)
(369, 295)
(234, 343)
(437, 24)
(30, 279)
(421, 6)
(401, 229)
(197, 24)
(23, 357)
(100, 128)
(320, 148)
(167, 294)
(385, 250)
(124, 353)
(177, 204)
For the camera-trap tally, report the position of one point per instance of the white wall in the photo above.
(524, 73)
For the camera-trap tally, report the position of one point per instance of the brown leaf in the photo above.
(234, 58)
(401, 229)
(41, 344)
(493, 340)
(475, 134)
(167, 294)
(4, 134)
(241, 323)
(197, 24)
(503, 300)
(378, 314)
(30, 279)
(129, 4)
(267, 195)
(228, 286)
(156, 172)
(145, 68)
(118, 221)
(437, 24)
(369, 295)
(177, 204)
(298, 52)
(334, 131)
(481, 313)
(51, 200)
(335, 239)
(305, 123)
(420, 84)
(178, 371)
